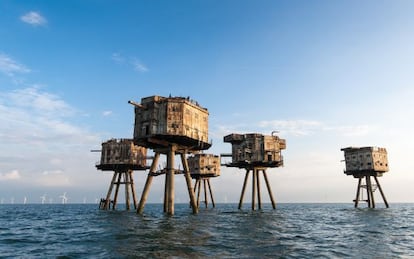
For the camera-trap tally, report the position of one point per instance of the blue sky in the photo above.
(325, 74)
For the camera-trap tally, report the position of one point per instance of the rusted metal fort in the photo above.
(170, 126)
(255, 152)
(202, 168)
(364, 163)
(123, 157)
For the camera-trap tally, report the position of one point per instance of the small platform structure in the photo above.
(255, 152)
(170, 126)
(202, 168)
(364, 163)
(122, 157)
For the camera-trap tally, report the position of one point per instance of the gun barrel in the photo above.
(136, 104)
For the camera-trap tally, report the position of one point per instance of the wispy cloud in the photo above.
(37, 133)
(293, 127)
(10, 67)
(30, 115)
(13, 175)
(38, 101)
(117, 58)
(138, 66)
(34, 18)
(52, 172)
(54, 179)
(310, 127)
(352, 131)
(134, 62)
(106, 113)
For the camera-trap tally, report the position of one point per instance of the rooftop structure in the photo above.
(119, 154)
(365, 160)
(250, 150)
(205, 165)
(160, 121)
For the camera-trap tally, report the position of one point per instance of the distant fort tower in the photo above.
(364, 162)
(122, 157)
(170, 126)
(255, 152)
(202, 168)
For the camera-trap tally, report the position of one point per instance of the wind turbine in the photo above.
(64, 198)
(43, 198)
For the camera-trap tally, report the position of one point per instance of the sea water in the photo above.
(290, 231)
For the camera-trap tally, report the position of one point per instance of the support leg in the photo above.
(198, 192)
(205, 192)
(127, 185)
(148, 182)
(244, 188)
(371, 192)
(269, 189)
(259, 198)
(170, 172)
(195, 187)
(368, 191)
(107, 204)
(357, 193)
(195, 191)
(254, 189)
(211, 193)
(166, 184)
(188, 182)
(116, 190)
(134, 196)
(382, 193)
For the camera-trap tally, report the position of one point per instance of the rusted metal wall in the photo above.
(122, 151)
(204, 164)
(255, 148)
(366, 159)
(175, 116)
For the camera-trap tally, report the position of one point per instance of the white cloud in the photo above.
(56, 161)
(13, 175)
(106, 113)
(52, 172)
(9, 66)
(310, 127)
(352, 131)
(37, 136)
(118, 58)
(30, 116)
(292, 127)
(53, 180)
(38, 101)
(138, 66)
(34, 18)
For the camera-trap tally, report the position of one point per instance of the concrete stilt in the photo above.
(256, 190)
(148, 183)
(244, 188)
